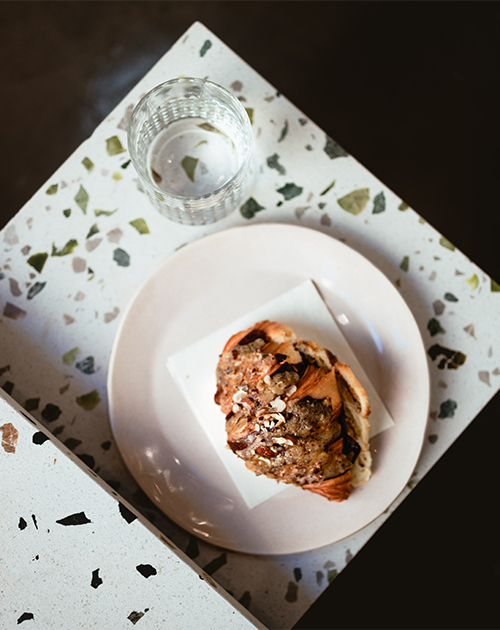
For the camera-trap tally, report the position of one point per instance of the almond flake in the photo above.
(283, 441)
(278, 417)
(278, 404)
(239, 395)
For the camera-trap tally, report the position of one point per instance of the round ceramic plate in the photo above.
(209, 284)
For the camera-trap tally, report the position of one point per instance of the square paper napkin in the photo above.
(193, 369)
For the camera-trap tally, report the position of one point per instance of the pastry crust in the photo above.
(294, 412)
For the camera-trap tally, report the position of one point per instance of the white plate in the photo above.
(207, 285)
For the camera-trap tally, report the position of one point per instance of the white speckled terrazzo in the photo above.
(72, 258)
(77, 557)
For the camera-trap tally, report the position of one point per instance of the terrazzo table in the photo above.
(73, 257)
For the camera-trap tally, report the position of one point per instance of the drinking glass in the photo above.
(190, 141)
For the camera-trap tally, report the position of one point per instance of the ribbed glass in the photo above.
(181, 100)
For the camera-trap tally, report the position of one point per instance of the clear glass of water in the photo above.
(190, 141)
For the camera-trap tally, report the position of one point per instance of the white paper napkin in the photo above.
(193, 368)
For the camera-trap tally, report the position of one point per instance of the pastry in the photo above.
(294, 412)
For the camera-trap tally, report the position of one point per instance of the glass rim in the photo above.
(133, 127)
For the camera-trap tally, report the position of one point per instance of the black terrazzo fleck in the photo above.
(245, 599)
(126, 513)
(292, 592)
(87, 459)
(447, 409)
(206, 46)
(86, 366)
(96, 579)
(193, 550)
(72, 443)
(135, 616)
(51, 412)
(452, 359)
(39, 438)
(78, 518)
(35, 289)
(146, 570)
(215, 564)
(8, 387)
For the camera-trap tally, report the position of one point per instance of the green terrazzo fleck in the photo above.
(114, 146)
(379, 203)
(447, 409)
(89, 165)
(69, 248)
(189, 164)
(290, 190)
(250, 208)
(69, 357)
(403, 206)
(206, 126)
(121, 257)
(473, 282)
(93, 230)
(434, 327)
(284, 131)
(405, 263)
(495, 287)
(82, 199)
(249, 111)
(444, 242)
(355, 201)
(37, 261)
(331, 575)
(67, 212)
(89, 401)
(333, 150)
(140, 225)
(328, 188)
(52, 189)
(105, 213)
(273, 162)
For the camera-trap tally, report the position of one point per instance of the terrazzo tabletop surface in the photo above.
(72, 259)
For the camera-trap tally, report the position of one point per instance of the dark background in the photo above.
(411, 90)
